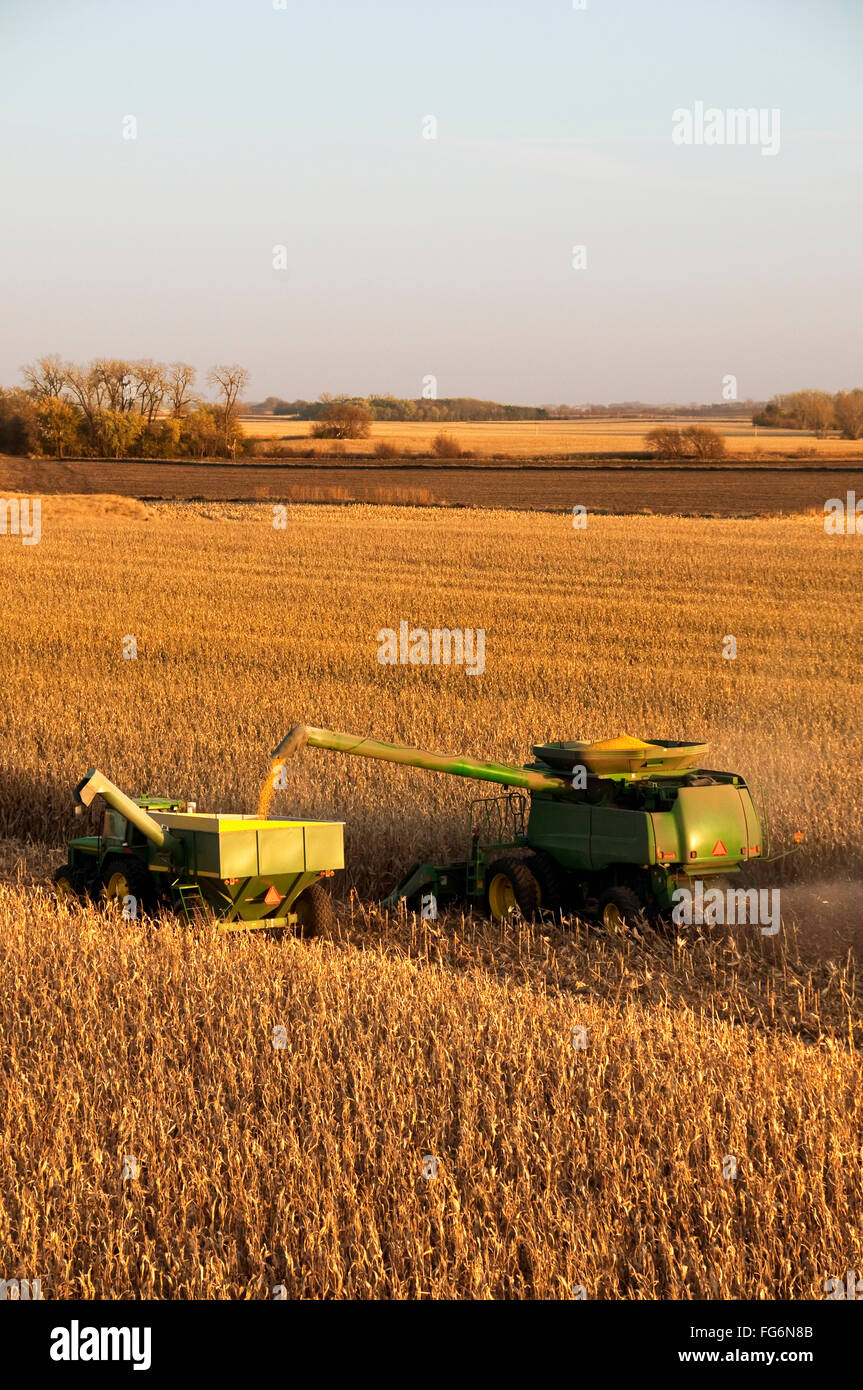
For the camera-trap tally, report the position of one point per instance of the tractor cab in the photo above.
(120, 833)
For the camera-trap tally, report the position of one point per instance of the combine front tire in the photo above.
(550, 877)
(510, 885)
(620, 908)
(315, 913)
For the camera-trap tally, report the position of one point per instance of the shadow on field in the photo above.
(36, 807)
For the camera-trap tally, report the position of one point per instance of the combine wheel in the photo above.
(549, 876)
(620, 908)
(314, 909)
(510, 885)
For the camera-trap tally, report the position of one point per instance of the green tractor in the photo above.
(607, 830)
(246, 872)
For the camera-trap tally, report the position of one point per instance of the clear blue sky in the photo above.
(302, 126)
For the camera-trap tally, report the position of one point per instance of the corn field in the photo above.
(409, 1109)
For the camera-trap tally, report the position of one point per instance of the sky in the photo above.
(266, 124)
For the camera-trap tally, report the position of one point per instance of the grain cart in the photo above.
(609, 829)
(249, 872)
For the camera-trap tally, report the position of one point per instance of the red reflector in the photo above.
(693, 854)
(753, 849)
(273, 896)
(719, 849)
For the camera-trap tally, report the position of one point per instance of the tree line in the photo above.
(639, 410)
(817, 411)
(113, 408)
(444, 411)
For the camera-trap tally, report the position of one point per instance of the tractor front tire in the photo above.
(126, 877)
(65, 882)
(315, 912)
(619, 909)
(510, 885)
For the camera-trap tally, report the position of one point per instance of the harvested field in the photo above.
(736, 491)
(529, 438)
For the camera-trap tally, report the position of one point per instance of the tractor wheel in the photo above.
(65, 884)
(620, 908)
(509, 884)
(128, 877)
(549, 876)
(315, 912)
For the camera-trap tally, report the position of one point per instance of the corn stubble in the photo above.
(560, 1167)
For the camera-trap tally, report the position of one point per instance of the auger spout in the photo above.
(454, 764)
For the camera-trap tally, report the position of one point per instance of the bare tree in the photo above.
(704, 442)
(817, 410)
(46, 376)
(151, 385)
(806, 410)
(446, 446)
(179, 386)
(87, 389)
(230, 381)
(698, 441)
(665, 441)
(341, 420)
(116, 378)
(848, 406)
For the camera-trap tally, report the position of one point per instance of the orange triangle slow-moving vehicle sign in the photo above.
(719, 849)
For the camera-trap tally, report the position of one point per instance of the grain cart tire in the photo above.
(128, 877)
(315, 912)
(510, 885)
(549, 876)
(620, 908)
(65, 884)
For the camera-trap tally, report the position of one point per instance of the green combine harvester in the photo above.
(606, 829)
(247, 872)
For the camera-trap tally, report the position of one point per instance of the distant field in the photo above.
(737, 491)
(550, 437)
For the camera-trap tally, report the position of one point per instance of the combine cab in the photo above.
(608, 829)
